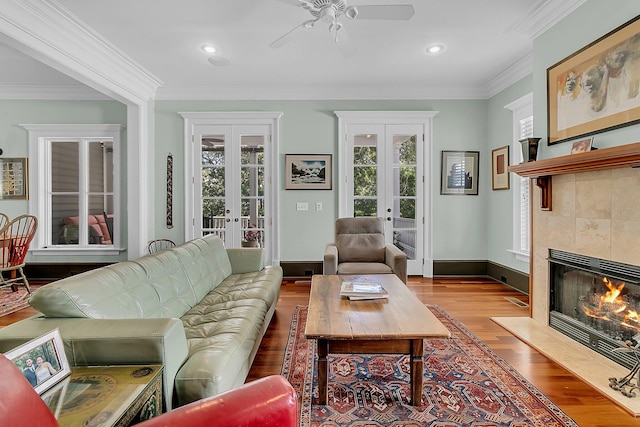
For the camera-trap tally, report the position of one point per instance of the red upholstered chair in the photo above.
(268, 402)
(20, 405)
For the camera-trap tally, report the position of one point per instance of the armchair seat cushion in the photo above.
(363, 268)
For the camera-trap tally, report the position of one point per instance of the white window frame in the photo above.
(39, 172)
(521, 109)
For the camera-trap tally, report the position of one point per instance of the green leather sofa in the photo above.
(198, 309)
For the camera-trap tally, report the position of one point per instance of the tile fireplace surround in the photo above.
(593, 208)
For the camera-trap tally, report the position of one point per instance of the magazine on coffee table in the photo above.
(363, 290)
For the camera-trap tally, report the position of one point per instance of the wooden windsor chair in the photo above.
(15, 239)
(160, 244)
(4, 220)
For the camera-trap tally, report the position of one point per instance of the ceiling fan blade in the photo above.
(400, 12)
(345, 44)
(285, 38)
(220, 61)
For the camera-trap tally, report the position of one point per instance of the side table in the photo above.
(106, 396)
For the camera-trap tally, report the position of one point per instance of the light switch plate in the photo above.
(302, 206)
(318, 206)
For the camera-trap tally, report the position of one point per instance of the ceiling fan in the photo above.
(330, 11)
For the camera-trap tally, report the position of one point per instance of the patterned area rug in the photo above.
(10, 301)
(465, 384)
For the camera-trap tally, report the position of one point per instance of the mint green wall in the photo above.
(14, 140)
(311, 127)
(500, 202)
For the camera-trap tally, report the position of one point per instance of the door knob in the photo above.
(228, 219)
(388, 218)
(236, 219)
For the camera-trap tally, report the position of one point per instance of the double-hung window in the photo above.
(74, 171)
(522, 128)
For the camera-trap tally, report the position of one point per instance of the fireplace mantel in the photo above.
(604, 158)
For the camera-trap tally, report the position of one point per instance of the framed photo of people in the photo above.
(42, 361)
(597, 88)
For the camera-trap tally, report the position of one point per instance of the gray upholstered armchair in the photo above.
(360, 248)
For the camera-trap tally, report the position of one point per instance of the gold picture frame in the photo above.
(15, 178)
(308, 171)
(596, 89)
(43, 353)
(500, 168)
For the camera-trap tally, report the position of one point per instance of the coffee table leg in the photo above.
(323, 349)
(417, 371)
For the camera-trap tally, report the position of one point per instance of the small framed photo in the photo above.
(582, 146)
(500, 168)
(308, 171)
(459, 173)
(42, 361)
(15, 178)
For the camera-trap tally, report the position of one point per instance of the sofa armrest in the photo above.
(330, 260)
(397, 260)
(110, 342)
(245, 260)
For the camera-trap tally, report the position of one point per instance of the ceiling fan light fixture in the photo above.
(328, 14)
(434, 49)
(351, 12)
(207, 48)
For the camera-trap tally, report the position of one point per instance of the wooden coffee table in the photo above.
(396, 325)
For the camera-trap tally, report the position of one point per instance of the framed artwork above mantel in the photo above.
(597, 88)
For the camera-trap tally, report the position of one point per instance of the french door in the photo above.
(384, 172)
(230, 186)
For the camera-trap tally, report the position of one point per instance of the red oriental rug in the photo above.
(465, 384)
(11, 301)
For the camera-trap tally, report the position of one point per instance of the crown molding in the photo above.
(51, 92)
(320, 92)
(544, 15)
(50, 33)
(521, 68)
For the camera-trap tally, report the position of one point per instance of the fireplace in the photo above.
(595, 302)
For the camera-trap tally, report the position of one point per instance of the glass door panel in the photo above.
(365, 175)
(213, 185)
(405, 196)
(252, 184)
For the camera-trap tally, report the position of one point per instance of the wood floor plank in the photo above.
(473, 301)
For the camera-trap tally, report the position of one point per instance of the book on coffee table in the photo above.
(363, 290)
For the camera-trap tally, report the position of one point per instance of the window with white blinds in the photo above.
(522, 110)
(526, 131)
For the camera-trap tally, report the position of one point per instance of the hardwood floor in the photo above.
(473, 301)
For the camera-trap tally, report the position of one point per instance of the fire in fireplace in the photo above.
(596, 302)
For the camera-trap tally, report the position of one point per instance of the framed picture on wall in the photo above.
(308, 171)
(459, 173)
(499, 168)
(597, 88)
(42, 360)
(15, 178)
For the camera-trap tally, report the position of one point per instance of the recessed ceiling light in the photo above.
(435, 48)
(207, 48)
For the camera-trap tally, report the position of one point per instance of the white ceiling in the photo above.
(487, 43)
